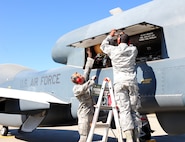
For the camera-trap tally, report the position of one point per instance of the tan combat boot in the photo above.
(136, 135)
(129, 136)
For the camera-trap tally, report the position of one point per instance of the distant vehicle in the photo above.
(31, 98)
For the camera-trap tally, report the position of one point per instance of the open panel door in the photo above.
(130, 30)
(148, 38)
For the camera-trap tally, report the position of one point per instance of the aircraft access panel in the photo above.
(148, 39)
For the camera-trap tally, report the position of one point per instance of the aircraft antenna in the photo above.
(115, 11)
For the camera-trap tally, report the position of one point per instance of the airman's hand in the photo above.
(93, 77)
(112, 33)
(89, 53)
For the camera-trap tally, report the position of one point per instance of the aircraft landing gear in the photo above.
(4, 131)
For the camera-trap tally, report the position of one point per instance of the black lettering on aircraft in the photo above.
(43, 80)
(34, 82)
(23, 83)
(50, 79)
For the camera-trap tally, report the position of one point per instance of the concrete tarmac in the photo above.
(70, 134)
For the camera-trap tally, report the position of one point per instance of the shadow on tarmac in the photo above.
(55, 135)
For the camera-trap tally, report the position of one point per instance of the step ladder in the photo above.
(112, 111)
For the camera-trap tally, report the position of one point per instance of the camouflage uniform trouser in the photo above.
(128, 101)
(84, 122)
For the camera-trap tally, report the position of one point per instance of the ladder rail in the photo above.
(112, 112)
(109, 119)
(96, 113)
(115, 112)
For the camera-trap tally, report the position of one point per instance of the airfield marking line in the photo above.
(9, 136)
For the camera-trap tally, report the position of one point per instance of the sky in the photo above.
(29, 29)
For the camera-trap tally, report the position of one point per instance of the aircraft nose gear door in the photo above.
(32, 122)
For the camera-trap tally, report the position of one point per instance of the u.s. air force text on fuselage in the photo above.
(42, 80)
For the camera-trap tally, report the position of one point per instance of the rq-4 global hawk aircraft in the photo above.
(29, 98)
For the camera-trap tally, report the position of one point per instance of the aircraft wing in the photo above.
(14, 101)
(29, 100)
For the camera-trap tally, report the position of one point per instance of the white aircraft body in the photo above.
(29, 98)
